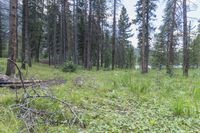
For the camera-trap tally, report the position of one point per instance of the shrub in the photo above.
(69, 67)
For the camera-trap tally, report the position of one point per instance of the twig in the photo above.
(20, 74)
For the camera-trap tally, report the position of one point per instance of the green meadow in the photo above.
(111, 101)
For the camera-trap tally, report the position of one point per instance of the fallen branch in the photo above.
(29, 114)
(20, 74)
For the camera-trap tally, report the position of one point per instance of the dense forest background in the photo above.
(96, 33)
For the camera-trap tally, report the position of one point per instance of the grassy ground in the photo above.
(116, 101)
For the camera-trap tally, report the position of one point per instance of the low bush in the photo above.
(69, 67)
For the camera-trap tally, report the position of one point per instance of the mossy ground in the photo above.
(115, 101)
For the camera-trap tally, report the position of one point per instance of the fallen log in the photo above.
(13, 83)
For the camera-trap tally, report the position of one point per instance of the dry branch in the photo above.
(29, 114)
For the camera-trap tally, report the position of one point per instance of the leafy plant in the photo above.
(69, 67)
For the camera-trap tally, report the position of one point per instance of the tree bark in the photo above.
(1, 42)
(185, 41)
(89, 36)
(64, 31)
(171, 41)
(17, 40)
(75, 39)
(147, 38)
(85, 36)
(114, 35)
(143, 61)
(13, 38)
(25, 37)
(99, 39)
(54, 38)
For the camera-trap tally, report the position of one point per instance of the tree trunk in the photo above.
(13, 38)
(114, 35)
(89, 36)
(171, 42)
(98, 29)
(185, 41)
(85, 36)
(147, 38)
(17, 39)
(25, 37)
(143, 61)
(54, 38)
(75, 39)
(64, 31)
(1, 42)
(102, 45)
(37, 51)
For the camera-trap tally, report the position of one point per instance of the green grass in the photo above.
(115, 101)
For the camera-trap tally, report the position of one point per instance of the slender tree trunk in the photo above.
(28, 44)
(17, 39)
(48, 37)
(75, 39)
(37, 49)
(99, 37)
(143, 62)
(37, 53)
(64, 30)
(89, 36)
(13, 38)
(185, 41)
(171, 41)
(147, 38)
(85, 35)
(25, 38)
(55, 37)
(114, 35)
(1, 42)
(102, 45)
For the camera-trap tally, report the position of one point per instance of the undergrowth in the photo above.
(115, 101)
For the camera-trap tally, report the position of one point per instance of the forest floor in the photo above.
(113, 101)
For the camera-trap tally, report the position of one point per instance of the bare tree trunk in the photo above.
(85, 37)
(75, 39)
(147, 39)
(102, 45)
(171, 41)
(13, 38)
(143, 62)
(37, 51)
(1, 42)
(114, 35)
(55, 40)
(25, 38)
(99, 36)
(185, 41)
(64, 30)
(89, 36)
(17, 39)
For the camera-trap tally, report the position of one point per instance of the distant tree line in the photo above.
(173, 45)
(57, 31)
